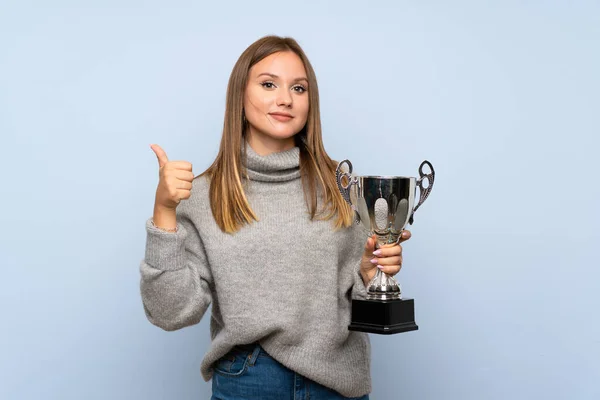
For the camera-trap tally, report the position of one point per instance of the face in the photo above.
(276, 101)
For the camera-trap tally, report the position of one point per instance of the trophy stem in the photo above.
(383, 287)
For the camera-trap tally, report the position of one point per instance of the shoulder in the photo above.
(201, 184)
(199, 199)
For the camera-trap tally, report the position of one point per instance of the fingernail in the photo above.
(380, 267)
(374, 261)
(377, 253)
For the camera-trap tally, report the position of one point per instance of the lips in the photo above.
(279, 116)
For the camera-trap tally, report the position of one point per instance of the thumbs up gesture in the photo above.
(175, 180)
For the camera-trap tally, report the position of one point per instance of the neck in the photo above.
(277, 166)
(264, 145)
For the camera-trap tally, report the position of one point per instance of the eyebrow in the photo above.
(275, 76)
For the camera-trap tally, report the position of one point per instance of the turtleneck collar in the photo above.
(275, 167)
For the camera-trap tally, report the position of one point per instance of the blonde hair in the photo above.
(228, 201)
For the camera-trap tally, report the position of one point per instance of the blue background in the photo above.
(502, 97)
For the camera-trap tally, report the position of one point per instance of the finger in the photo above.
(395, 250)
(183, 185)
(182, 165)
(396, 260)
(390, 269)
(183, 175)
(184, 194)
(160, 154)
(370, 245)
(174, 184)
(405, 236)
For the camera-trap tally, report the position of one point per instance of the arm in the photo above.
(175, 275)
(359, 290)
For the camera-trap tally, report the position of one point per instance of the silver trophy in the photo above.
(384, 205)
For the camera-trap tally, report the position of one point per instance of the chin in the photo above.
(285, 134)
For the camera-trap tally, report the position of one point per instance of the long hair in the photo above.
(228, 201)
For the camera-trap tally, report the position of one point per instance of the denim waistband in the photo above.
(253, 348)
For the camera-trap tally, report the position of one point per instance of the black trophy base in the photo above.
(383, 316)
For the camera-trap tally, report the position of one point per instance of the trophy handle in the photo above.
(423, 191)
(345, 189)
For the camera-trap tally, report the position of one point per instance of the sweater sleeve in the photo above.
(175, 276)
(359, 290)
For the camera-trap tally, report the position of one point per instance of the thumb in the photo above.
(370, 245)
(160, 154)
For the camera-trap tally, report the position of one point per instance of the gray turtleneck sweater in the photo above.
(284, 281)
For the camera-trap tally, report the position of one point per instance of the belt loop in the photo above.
(252, 357)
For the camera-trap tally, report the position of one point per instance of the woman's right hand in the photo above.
(175, 182)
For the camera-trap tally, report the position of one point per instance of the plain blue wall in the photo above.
(502, 97)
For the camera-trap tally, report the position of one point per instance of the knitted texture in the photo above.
(284, 281)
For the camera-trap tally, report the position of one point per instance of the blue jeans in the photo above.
(248, 373)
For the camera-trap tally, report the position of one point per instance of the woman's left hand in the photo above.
(387, 258)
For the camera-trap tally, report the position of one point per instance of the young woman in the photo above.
(265, 237)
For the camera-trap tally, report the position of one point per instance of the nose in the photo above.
(284, 98)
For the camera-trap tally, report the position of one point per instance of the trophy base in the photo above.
(383, 317)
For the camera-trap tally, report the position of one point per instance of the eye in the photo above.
(302, 89)
(267, 84)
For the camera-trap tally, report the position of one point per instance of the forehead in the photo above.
(284, 64)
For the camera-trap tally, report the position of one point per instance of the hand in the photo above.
(175, 180)
(387, 258)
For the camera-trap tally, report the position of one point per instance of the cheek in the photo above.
(303, 109)
(257, 103)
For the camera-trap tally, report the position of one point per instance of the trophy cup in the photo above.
(383, 205)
